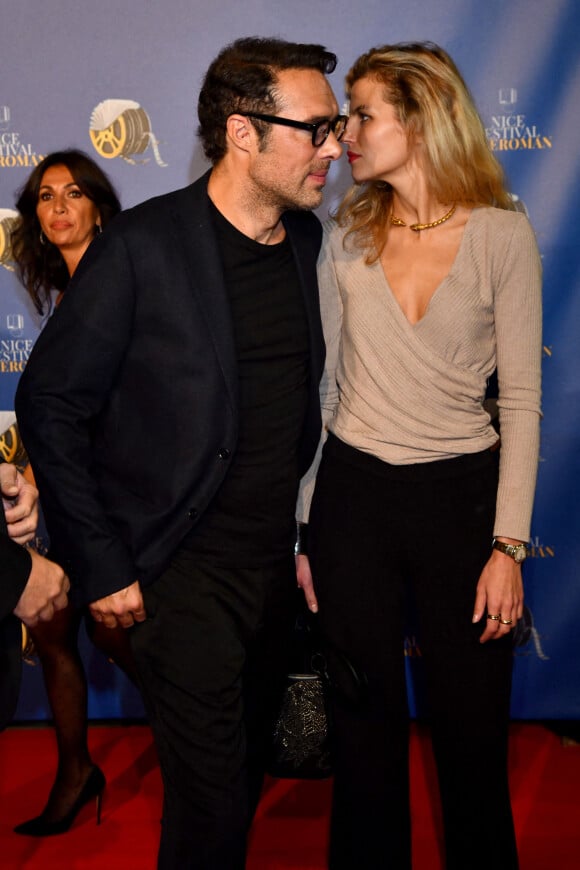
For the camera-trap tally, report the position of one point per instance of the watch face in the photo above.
(517, 552)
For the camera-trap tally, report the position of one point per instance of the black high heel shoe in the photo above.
(40, 827)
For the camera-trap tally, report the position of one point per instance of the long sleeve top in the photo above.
(414, 393)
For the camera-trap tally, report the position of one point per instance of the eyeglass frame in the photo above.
(304, 125)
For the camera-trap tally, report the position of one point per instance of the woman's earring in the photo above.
(42, 238)
(98, 229)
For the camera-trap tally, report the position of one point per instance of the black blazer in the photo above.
(128, 406)
(14, 572)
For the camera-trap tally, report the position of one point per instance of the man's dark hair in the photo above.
(243, 78)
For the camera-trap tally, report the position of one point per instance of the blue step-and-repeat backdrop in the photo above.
(121, 81)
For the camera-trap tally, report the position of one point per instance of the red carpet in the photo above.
(290, 828)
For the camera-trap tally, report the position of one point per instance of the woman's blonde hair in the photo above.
(432, 102)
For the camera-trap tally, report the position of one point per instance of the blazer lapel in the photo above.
(305, 242)
(193, 226)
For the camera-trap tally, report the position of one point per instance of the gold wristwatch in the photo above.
(518, 552)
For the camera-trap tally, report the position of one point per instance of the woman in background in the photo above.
(66, 201)
(429, 282)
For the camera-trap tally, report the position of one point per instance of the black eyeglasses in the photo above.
(320, 131)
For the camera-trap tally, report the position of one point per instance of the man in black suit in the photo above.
(31, 587)
(169, 409)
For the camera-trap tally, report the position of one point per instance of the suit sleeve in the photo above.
(61, 394)
(331, 312)
(15, 564)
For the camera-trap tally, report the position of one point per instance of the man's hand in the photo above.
(20, 503)
(123, 608)
(44, 593)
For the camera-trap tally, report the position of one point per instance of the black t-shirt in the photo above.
(251, 518)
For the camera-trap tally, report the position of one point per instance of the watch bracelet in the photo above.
(301, 545)
(503, 547)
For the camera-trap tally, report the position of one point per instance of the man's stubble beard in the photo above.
(281, 199)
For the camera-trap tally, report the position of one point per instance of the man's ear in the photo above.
(240, 132)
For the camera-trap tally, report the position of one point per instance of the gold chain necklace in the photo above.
(397, 222)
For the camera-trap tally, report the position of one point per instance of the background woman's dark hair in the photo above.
(243, 77)
(41, 267)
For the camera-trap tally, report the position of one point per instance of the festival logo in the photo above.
(512, 130)
(539, 550)
(15, 325)
(11, 447)
(527, 637)
(122, 128)
(411, 648)
(14, 350)
(14, 153)
(8, 218)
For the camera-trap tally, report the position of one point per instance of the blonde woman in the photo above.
(429, 282)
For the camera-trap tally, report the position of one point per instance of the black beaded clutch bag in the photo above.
(301, 740)
(302, 737)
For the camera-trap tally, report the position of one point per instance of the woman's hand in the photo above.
(500, 594)
(304, 578)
